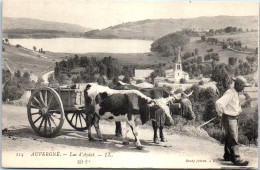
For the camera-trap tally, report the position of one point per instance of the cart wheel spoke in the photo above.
(39, 128)
(80, 120)
(49, 124)
(46, 98)
(54, 111)
(37, 101)
(53, 121)
(36, 113)
(45, 125)
(42, 101)
(35, 107)
(50, 102)
(72, 117)
(76, 119)
(37, 119)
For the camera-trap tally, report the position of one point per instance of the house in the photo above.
(142, 74)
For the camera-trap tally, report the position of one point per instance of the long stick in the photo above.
(206, 122)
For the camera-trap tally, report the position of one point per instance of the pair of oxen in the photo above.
(126, 104)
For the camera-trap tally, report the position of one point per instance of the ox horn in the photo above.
(187, 95)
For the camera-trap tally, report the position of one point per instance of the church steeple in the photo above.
(178, 65)
(179, 56)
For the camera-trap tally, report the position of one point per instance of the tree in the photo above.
(51, 79)
(186, 55)
(251, 59)
(203, 38)
(102, 69)
(256, 50)
(240, 30)
(196, 50)
(26, 76)
(222, 75)
(232, 61)
(206, 57)
(215, 57)
(40, 82)
(199, 59)
(211, 31)
(34, 48)
(224, 46)
(115, 80)
(101, 80)
(239, 44)
(17, 74)
(127, 79)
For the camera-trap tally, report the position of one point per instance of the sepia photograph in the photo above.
(130, 84)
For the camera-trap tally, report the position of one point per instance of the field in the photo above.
(249, 39)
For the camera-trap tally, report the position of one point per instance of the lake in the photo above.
(83, 45)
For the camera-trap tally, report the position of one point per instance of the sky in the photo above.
(101, 14)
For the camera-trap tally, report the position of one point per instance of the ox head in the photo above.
(187, 111)
(186, 105)
(157, 107)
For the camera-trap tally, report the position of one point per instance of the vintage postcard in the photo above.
(127, 84)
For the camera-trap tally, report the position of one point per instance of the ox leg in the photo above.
(134, 130)
(90, 138)
(96, 125)
(118, 129)
(161, 134)
(155, 135)
(125, 140)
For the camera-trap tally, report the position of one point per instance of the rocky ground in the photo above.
(22, 147)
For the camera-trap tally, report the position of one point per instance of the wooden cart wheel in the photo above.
(45, 112)
(77, 120)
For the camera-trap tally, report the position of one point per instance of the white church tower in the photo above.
(178, 68)
(176, 74)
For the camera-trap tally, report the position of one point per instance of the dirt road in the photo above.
(21, 147)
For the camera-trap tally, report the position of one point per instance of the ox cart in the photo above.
(47, 107)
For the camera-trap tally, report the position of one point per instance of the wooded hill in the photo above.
(156, 28)
(26, 27)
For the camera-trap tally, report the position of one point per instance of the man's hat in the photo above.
(241, 80)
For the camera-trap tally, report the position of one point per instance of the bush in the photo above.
(18, 46)
(248, 123)
(201, 82)
(203, 38)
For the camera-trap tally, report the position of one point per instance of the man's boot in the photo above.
(239, 162)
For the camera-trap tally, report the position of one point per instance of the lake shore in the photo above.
(37, 63)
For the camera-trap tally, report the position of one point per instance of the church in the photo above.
(176, 74)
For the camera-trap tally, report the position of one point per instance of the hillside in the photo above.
(27, 60)
(248, 39)
(156, 28)
(26, 27)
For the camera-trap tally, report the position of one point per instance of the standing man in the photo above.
(228, 106)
